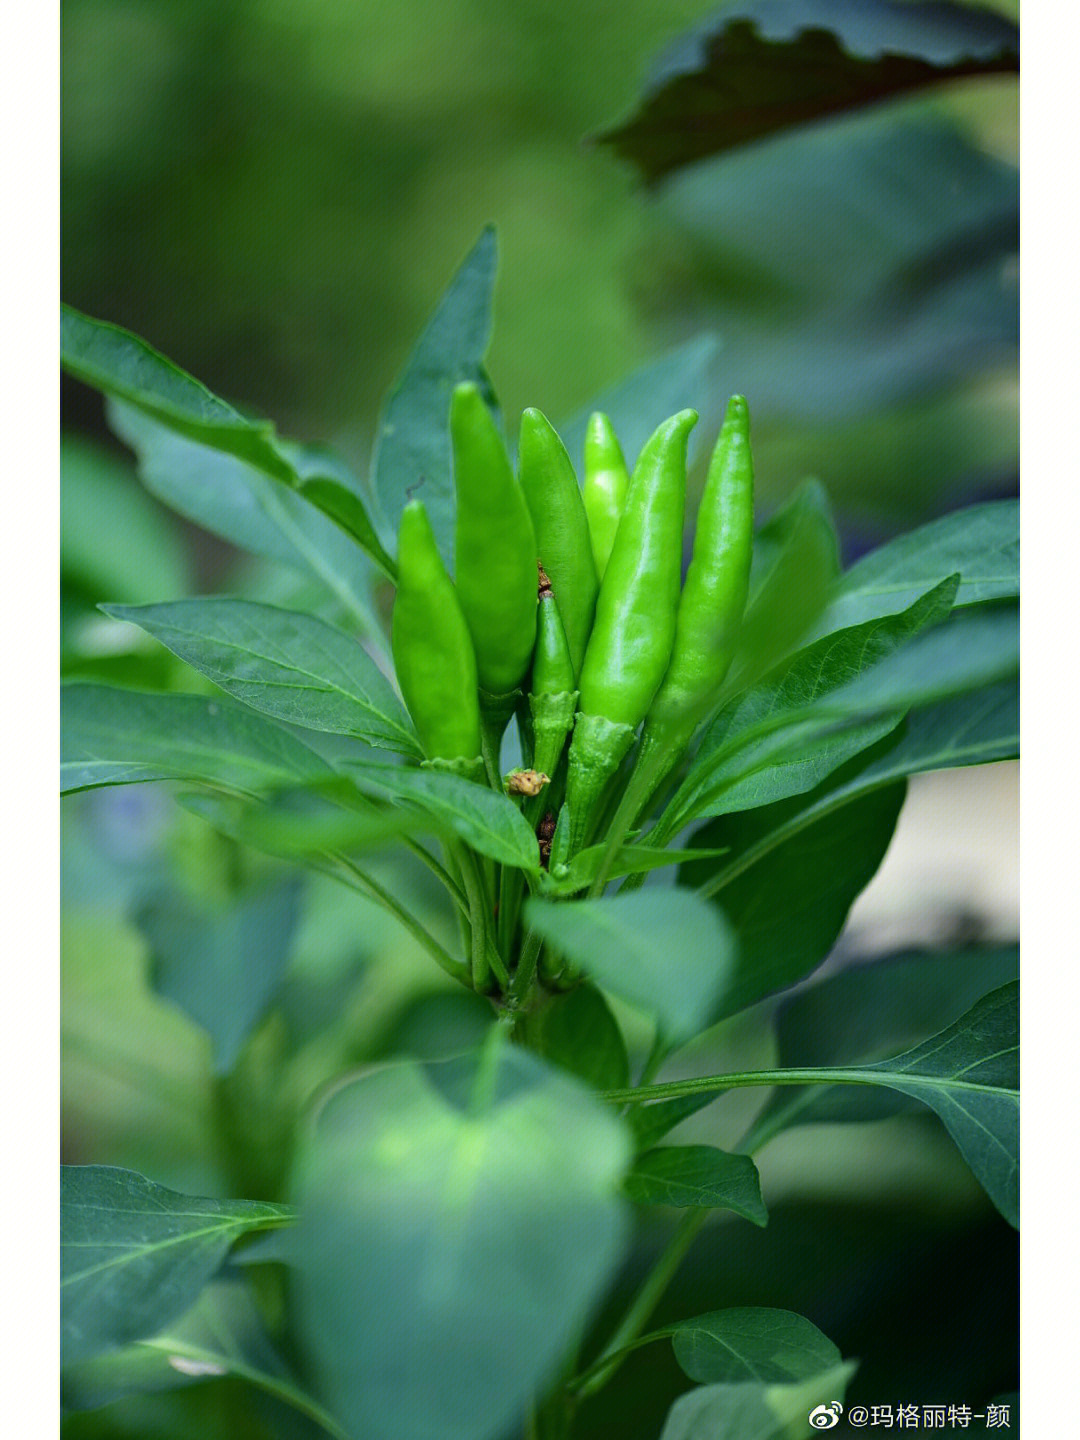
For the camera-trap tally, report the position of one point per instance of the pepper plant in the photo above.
(645, 803)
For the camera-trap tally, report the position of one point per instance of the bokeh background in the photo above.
(275, 194)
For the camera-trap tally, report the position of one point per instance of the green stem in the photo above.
(642, 1306)
(554, 1417)
(673, 1089)
(661, 1049)
(526, 967)
(490, 748)
(444, 877)
(627, 1337)
(685, 805)
(371, 887)
(485, 959)
(651, 767)
(511, 884)
(765, 1129)
(281, 1389)
(496, 712)
(776, 837)
(463, 917)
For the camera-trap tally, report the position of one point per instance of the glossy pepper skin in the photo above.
(634, 628)
(606, 484)
(552, 696)
(433, 651)
(553, 668)
(494, 546)
(563, 542)
(714, 594)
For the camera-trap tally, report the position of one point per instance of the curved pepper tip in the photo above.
(535, 423)
(466, 395)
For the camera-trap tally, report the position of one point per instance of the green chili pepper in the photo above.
(564, 545)
(433, 651)
(606, 484)
(494, 547)
(709, 616)
(714, 595)
(634, 628)
(552, 695)
(552, 700)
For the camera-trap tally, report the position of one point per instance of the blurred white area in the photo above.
(952, 871)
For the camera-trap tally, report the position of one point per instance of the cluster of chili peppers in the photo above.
(568, 608)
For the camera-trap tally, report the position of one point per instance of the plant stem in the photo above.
(642, 1306)
(764, 1130)
(492, 726)
(451, 886)
(283, 1390)
(640, 787)
(485, 958)
(511, 884)
(776, 837)
(552, 1420)
(826, 1075)
(656, 1057)
(365, 883)
(526, 966)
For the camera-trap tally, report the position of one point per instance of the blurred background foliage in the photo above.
(275, 195)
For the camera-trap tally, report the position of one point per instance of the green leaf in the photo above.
(967, 730)
(756, 1411)
(121, 365)
(976, 647)
(134, 1256)
(794, 728)
(772, 1347)
(577, 1032)
(683, 377)
(763, 68)
(865, 1012)
(223, 969)
(489, 822)
(115, 737)
(884, 323)
(624, 943)
(135, 1370)
(412, 449)
(114, 539)
(346, 510)
(474, 1213)
(629, 860)
(788, 910)
(981, 544)
(795, 566)
(877, 1007)
(247, 508)
(222, 1334)
(283, 663)
(684, 1175)
(969, 1076)
(298, 825)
